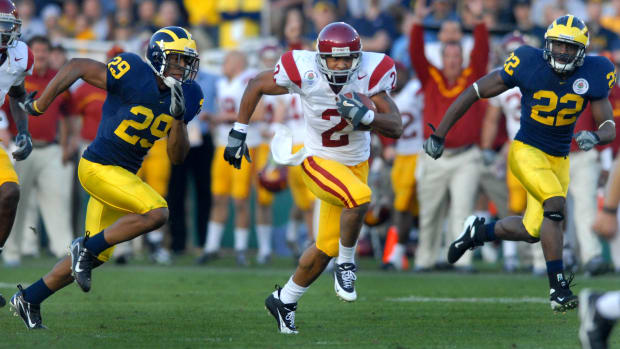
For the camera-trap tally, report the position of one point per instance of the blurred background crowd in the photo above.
(238, 36)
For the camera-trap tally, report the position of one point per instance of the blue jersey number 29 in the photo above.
(155, 126)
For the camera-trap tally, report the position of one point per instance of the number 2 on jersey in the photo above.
(326, 136)
(155, 126)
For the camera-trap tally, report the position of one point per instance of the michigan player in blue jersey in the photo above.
(556, 84)
(146, 101)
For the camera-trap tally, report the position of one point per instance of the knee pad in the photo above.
(556, 216)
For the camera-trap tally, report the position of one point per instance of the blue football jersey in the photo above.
(550, 104)
(135, 113)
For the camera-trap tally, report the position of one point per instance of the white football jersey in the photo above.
(328, 135)
(295, 118)
(510, 102)
(410, 102)
(228, 94)
(17, 65)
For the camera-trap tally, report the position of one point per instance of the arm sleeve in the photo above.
(416, 53)
(28, 70)
(514, 66)
(122, 73)
(479, 58)
(383, 78)
(286, 73)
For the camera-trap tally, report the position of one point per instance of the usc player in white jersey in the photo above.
(410, 102)
(226, 183)
(16, 61)
(337, 145)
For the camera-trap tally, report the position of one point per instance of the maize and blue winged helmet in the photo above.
(167, 47)
(571, 30)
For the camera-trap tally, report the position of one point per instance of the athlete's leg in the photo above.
(9, 198)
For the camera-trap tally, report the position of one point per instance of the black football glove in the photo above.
(236, 149)
(27, 104)
(351, 109)
(586, 140)
(24, 146)
(177, 101)
(433, 146)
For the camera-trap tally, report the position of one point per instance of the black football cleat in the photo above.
(30, 313)
(344, 281)
(283, 313)
(594, 330)
(82, 263)
(563, 298)
(467, 240)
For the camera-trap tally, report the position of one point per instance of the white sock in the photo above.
(292, 228)
(509, 248)
(608, 305)
(263, 234)
(241, 239)
(291, 292)
(397, 254)
(155, 236)
(214, 237)
(345, 254)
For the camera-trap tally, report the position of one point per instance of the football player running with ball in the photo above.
(556, 84)
(337, 146)
(16, 61)
(146, 101)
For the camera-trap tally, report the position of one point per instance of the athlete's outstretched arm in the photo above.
(603, 112)
(17, 94)
(261, 84)
(489, 85)
(387, 121)
(91, 71)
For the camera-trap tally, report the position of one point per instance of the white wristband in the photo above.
(368, 117)
(243, 128)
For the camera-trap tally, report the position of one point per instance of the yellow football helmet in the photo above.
(571, 30)
(167, 47)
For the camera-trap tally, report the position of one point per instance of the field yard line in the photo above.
(417, 299)
(11, 285)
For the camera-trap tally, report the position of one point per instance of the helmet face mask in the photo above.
(566, 41)
(336, 40)
(173, 56)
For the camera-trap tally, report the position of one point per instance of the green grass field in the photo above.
(222, 306)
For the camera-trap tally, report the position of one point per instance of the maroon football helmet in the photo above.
(10, 24)
(338, 39)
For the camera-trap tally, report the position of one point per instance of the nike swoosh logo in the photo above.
(562, 82)
(347, 104)
(18, 59)
(77, 268)
(238, 155)
(458, 244)
(560, 298)
(281, 322)
(361, 77)
(30, 323)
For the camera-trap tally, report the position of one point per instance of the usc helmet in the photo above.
(167, 47)
(338, 39)
(571, 30)
(10, 24)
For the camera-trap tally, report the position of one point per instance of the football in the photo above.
(365, 99)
